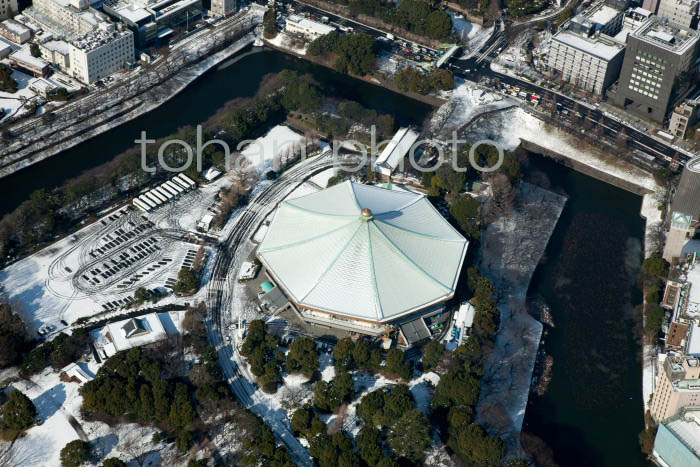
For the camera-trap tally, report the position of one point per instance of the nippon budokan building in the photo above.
(365, 259)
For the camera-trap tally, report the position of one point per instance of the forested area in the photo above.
(355, 53)
(410, 79)
(416, 16)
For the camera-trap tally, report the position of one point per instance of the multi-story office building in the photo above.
(100, 53)
(7, 8)
(68, 18)
(584, 52)
(657, 52)
(222, 7)
(683, 12)
(153, 20)
(677, 386)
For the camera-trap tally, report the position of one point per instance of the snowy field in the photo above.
(270, 151)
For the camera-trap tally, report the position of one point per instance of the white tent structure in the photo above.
(362, 252)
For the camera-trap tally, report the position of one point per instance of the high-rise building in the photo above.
(101, 52)
(657, 53)
(683, 12)
(685, 211)
(677, 386)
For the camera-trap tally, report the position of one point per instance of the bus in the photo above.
(181, 183)
(146, 202)
(165, 186)
(174, 187)
(141, 206)
(158, 196)
(160, 190)
(187, 180)
(154, 201)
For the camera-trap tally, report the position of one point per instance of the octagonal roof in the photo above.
(363, 251)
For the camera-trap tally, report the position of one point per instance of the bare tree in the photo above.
(198, 263)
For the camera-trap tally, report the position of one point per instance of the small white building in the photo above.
(42, 87)
(15, 31)
(75, 373)
(307, 28)
(248, 271)
(211, 174)
(128, 333)
(56, 52)
(205, 223)
(394, 152)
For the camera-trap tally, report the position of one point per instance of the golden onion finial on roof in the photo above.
(367, 213)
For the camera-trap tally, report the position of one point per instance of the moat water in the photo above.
(592, 413)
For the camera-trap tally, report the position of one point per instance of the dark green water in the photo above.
(592, 413)
(237, 78)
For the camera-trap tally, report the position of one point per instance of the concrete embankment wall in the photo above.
(586, 169)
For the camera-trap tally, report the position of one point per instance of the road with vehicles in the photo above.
(478, 66)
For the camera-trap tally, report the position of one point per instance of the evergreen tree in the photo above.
(410, 435)
(75, 454)
(19, 411)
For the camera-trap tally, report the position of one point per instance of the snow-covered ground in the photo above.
(283, 41)
(269, 152)
(467, 101)
(13, 103)
(472, 35)
(58, 410)
(512, 126)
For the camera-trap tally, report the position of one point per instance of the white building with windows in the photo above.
(100, 53)
(682, 12)
(307, 28)
(592, 63)
(584, 51)
(14, 31)
(70, 18)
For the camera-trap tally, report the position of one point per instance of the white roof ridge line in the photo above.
(332, 263)
(379, 311)
(410, 261)
(302, 242)
(432, 237)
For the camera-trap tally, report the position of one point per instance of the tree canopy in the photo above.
(75, 454)
(302, 357)
(19, 411)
